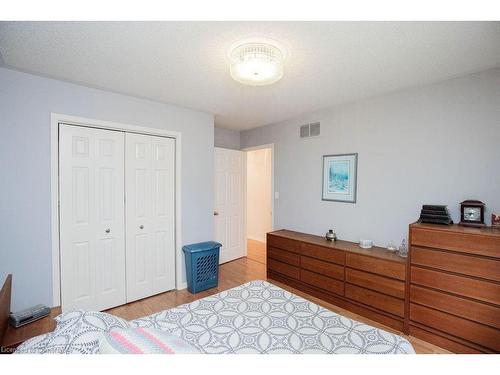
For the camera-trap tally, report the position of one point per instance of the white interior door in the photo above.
(229, 212)
(91, 194)
(150, 212)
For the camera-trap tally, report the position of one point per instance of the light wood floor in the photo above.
(235, 273)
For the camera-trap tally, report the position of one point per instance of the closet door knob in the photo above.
(108, 230)
(141, 226)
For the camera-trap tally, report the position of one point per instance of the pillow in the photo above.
(143, 341)
(76, 332)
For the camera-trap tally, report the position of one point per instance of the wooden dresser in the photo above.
(454, 287)
(368, 282)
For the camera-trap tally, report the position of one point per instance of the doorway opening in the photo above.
(259, 201)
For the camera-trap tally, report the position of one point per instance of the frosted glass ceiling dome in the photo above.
(256, 62)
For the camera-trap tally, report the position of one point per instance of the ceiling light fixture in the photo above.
(256, 62)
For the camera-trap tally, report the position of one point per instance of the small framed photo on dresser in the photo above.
(495, 221)
(340, 177)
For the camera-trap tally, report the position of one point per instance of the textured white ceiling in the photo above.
(185, 63)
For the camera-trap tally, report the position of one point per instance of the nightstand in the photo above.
(16, 336)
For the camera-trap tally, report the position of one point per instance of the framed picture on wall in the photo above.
(339, 177)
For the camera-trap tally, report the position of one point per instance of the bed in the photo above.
(256, 317)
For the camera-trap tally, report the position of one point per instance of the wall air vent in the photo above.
(314, 129)
(304, 131)
(310, 130)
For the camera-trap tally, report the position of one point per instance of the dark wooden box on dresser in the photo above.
(368, 282)
(454, 287)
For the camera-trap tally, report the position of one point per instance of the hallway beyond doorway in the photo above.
(256, 251)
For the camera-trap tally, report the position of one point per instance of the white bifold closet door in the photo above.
(150, 214)
(92, 238)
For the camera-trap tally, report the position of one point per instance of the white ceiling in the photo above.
(185, 63)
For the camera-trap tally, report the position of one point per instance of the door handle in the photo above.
(216, 213)
(108, 230)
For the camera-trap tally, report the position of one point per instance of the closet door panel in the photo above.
(110, 215)
(138, 206)
(150, 207)
(163, 213)
(91, 193)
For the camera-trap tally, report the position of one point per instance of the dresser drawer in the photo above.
(323, 253)
(371, 298)
(325, 268)
(440, 340)
(323, 282)
(381, 284)
(467, 265)
(376, 265)
(461, 285)
(476, 311)
(283, 256)
(462, 242)
(283, 243)
(283, 268)
(454, 325)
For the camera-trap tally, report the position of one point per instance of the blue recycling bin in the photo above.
(202, 265)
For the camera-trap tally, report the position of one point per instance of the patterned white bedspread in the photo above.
(256, 317)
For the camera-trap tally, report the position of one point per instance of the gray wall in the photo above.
(436, 144)
(26, 102)
(227, 138)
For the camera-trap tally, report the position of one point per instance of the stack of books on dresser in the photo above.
(435, 214)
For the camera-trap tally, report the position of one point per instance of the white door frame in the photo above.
(55, 119)
(260, 147)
